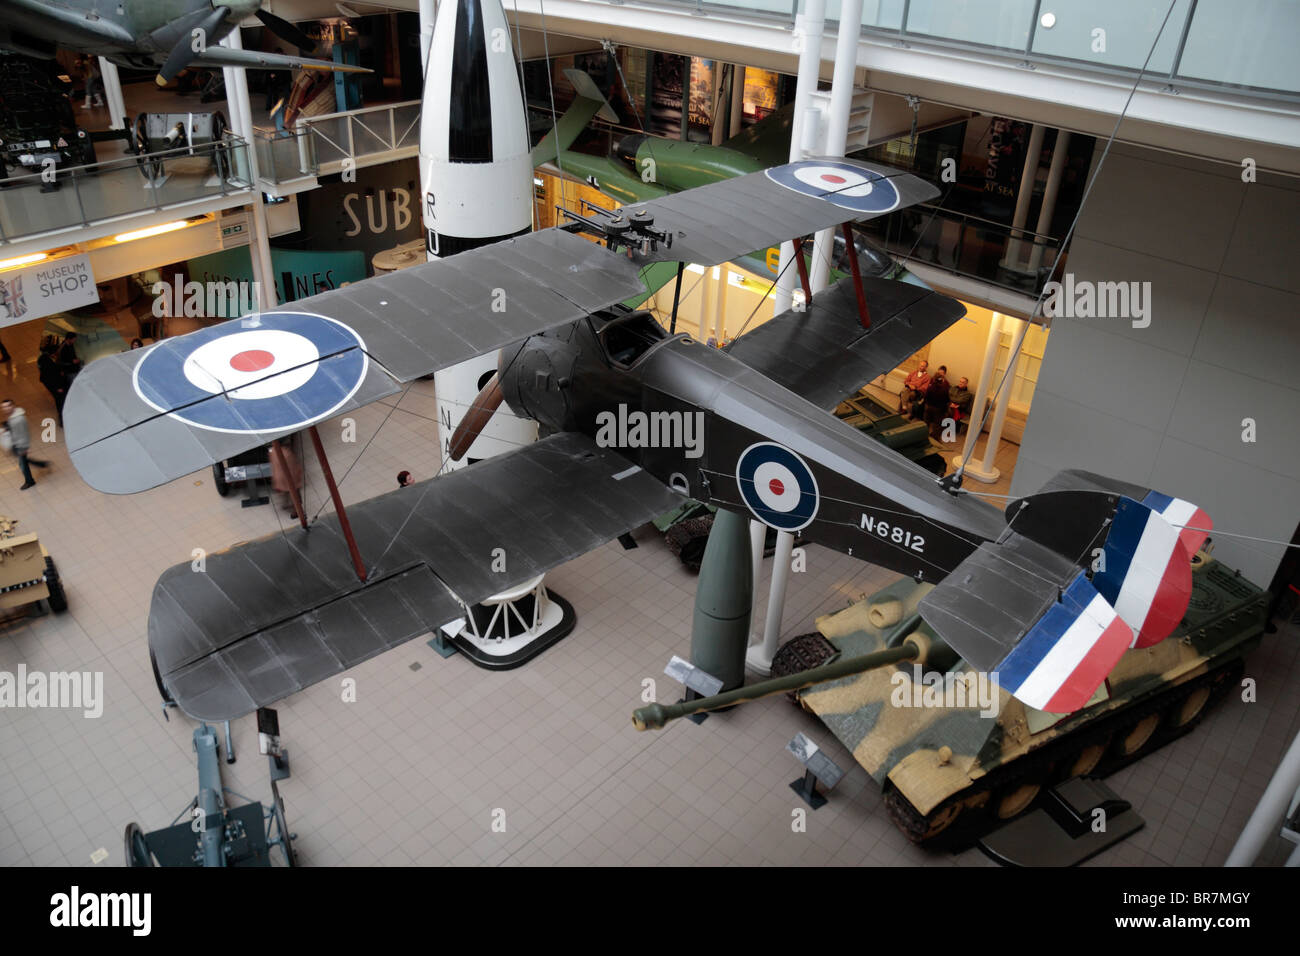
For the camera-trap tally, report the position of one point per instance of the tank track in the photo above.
(1047, 765)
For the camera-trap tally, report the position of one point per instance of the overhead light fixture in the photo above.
(23, 260)
(1047, 20)
(152, 231)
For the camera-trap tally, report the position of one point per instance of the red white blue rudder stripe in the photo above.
(1192, 523)
(1062, 660)
(1146, 573)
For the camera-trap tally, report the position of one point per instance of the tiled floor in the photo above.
(420, 766)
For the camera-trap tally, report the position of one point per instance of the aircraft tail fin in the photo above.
(1017, 609)
(1137, 544)
(1087, 568)
(588, 102)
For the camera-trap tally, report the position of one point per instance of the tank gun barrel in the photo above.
(655, 716)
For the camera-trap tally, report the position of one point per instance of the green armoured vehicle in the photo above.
(909, 438)
(949, 773)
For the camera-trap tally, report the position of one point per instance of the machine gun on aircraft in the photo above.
(638, 418)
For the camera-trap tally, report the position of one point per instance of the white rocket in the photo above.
(476, 174)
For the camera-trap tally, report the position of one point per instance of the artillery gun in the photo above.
(948, 772)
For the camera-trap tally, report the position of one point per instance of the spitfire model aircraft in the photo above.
(1049, 594)
(162, 35)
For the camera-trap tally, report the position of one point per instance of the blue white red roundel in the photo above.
(847, 186)
(262, 373)
(777, 486)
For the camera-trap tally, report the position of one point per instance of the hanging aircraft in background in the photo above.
(163, 35)
(641, 167)
(638, 419)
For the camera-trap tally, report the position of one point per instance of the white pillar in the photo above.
(759, 656)
(428, 13)
(808, 27)
(241, 120)
(720, 274)
(1054, 176)
(113, 94)
(1270, 810)
(1028, 177)
(986, 471)
(981, 393)
(737, 114)
(837, 124)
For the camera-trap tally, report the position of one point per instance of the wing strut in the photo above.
(344, 525)
(852, 251)
(803, 271)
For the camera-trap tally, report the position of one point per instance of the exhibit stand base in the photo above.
(806, 787)
(508, 629)
(973, 470)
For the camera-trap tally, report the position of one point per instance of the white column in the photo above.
(809, 27)
(1270, 811)
(720, 274)
(428, 13)
(1054, 176)
(759, 656)
(113, 94)
(837, 124)
(737, 114)
(241, 120)
(981, 393)
(986, 471)
(1028, 177)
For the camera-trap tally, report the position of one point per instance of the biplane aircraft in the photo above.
(1049, 594)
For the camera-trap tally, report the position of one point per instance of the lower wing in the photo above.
(271, 617)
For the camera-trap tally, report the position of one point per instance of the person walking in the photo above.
(53, 377)
(18, 440)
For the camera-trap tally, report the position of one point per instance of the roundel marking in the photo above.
(777, 486)
(847, 186)
(270, 372)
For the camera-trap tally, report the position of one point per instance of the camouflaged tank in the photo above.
(27, 572)
(949, 773)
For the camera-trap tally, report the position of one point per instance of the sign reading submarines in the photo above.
(46, 288)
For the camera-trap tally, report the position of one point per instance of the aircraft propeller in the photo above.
(476, 418)
(286, 31)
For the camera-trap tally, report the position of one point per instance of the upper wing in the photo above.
(823, 353)
(145, 417)
(257, 60)
(271, 617)
(142, 418)
(723, 220)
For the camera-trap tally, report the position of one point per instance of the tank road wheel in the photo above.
(1190, 707)
(58, 599)
(942, 819)
(1086, 760)
(1136, 737)
(1016, 799)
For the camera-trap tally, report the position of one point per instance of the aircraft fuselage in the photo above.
(709, 426)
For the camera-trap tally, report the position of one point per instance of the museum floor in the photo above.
(413, 770)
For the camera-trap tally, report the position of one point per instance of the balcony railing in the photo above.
(319, 145)
(80, 196)
(1016, 259)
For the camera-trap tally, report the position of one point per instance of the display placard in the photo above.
(56, 285)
